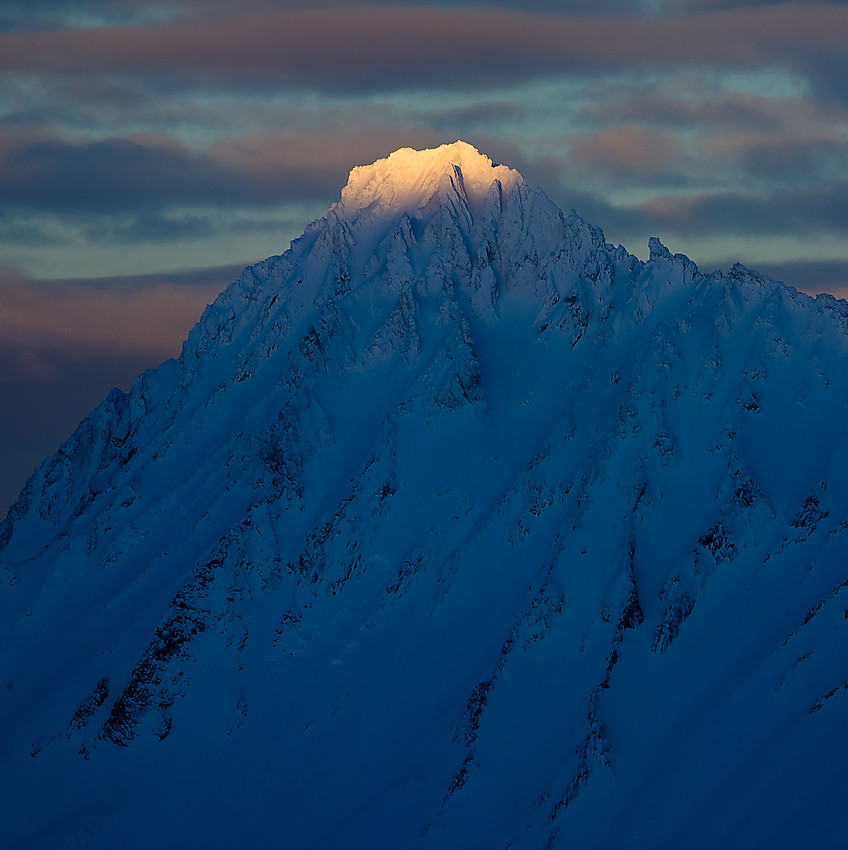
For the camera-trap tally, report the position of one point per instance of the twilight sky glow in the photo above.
(149, 149)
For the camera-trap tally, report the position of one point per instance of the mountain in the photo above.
(453, 526)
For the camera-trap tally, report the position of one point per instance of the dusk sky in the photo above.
(150, 150)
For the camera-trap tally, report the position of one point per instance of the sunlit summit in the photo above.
(408, 178)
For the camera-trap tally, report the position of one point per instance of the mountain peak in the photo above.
(407, 179)
(454, 525)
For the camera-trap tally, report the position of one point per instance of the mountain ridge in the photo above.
(488, 531)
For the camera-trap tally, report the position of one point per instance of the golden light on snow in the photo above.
(409, 178)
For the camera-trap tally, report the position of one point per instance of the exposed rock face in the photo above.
(454, 526)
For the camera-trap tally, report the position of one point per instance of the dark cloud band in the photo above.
(345, 49)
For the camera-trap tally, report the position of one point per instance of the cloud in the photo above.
(628, 150)
(690, 6)
(60, 14)
(370, 47)
(807, 210)
(829, 77)
(694, 102)
(808, 155)
(47, 323)
(111, 175)
(710, 138)
(120, 174)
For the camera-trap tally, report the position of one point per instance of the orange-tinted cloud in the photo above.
(42, 321)
(627, 150)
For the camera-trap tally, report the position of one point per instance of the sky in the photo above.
(150, 149)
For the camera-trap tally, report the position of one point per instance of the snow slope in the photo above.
(453, 526)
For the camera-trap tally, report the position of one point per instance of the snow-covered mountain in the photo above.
(453, 526)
